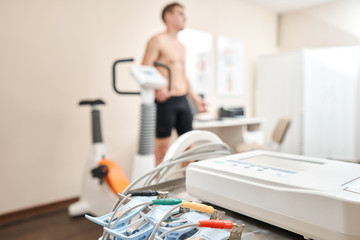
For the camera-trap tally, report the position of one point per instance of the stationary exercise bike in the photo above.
(103, 178)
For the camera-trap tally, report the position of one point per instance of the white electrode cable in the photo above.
(195, 157)
(118, 204)
(116, 208)
(164, 166)
(198, 157)
(175, 229)
(202, 148)
(132, 184)
(212, 147)
(167, 176)
(128, 210)
(152, 235)
(183, 154)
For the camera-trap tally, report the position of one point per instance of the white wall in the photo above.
(331, 24)
(54, 53)
(327, 25)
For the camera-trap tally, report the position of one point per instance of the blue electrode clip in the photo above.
(104, 220)
(141, 228)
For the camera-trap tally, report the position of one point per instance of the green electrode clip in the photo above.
(167, 201)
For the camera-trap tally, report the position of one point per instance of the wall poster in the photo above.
(198, 47)
(230, 69)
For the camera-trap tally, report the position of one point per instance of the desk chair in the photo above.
(278, 136)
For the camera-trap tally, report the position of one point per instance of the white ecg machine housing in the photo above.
(317, 198)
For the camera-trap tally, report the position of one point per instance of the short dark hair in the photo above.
(169, 8)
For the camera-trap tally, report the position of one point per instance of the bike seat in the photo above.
(91, 102)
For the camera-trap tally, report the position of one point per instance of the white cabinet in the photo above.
(319, 90)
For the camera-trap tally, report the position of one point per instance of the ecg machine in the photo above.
(317, 198)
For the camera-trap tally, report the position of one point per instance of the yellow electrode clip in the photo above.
(198, 207)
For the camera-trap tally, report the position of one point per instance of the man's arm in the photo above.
(152, 51)
(152, 54)
(198, 101)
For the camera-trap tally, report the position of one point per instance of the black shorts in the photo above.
(173, 113)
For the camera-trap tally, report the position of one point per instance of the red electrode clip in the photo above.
(223, 224)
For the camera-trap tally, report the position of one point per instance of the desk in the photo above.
(234, 130)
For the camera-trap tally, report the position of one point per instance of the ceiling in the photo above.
(282, 6)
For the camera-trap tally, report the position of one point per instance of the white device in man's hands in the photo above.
(148, 77)
(317, 198)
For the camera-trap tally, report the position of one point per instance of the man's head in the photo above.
(173, 16)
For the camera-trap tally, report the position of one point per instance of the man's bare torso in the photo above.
(172, 54)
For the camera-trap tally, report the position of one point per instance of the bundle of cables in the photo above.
(203, 145)
(165, 219)
(210, 146)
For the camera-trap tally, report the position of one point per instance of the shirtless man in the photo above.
(173, 108)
